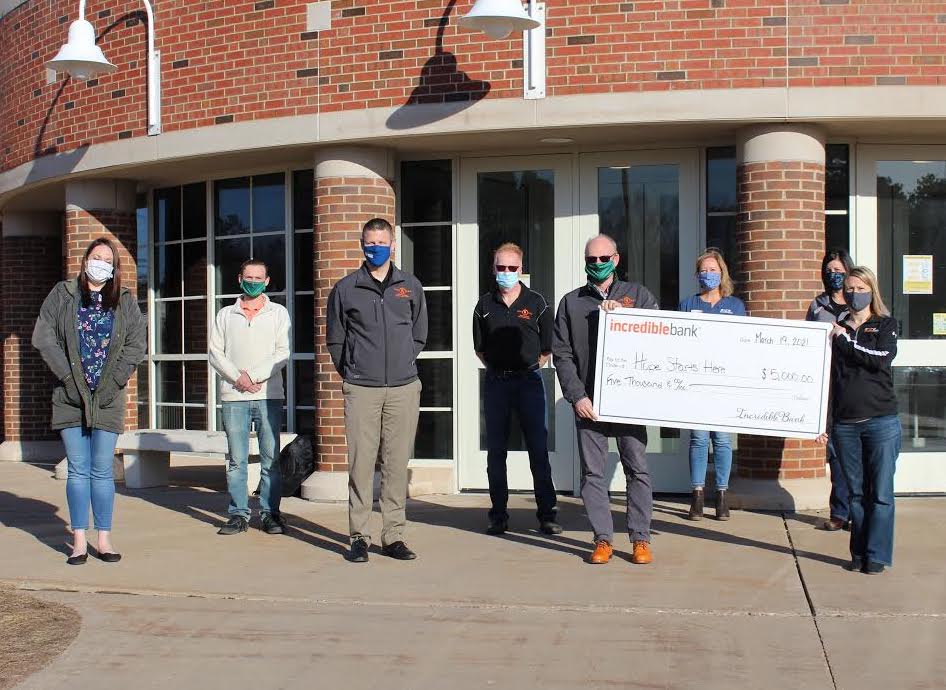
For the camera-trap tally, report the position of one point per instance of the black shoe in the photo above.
(696, 505)
(272, 523)
(110, 557)
(497, 526)
(846, 526)
(235, 525)
(856, 565)
(399, 551)
(722, 506)
(78, 560)
(550, 527)
(359, 551)
(874, 568)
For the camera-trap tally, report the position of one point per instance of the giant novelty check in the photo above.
(700, 371)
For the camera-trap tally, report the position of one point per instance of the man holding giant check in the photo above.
(574, 348)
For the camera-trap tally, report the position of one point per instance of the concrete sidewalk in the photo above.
(760, 601)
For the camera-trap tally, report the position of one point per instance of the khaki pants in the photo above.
(386, 419)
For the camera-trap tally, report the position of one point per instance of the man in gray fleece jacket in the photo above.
(375, 326)
(573, 350)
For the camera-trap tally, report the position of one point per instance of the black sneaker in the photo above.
(550, 527)
(856, 565)
(235, 525)
(497, 526)
(272, 523)
(874, 568)
(399, 551)
(359, 551)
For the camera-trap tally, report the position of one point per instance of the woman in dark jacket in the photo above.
(828, 307)
(92, 335)
(865, 426)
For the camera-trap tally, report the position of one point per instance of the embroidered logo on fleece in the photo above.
(402, 292)
(524, 314)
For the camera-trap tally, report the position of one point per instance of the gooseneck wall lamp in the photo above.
(82, 59)
(499, 18)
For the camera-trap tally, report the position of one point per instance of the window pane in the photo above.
(272, 250)
(144, 420)
(305, 422)
(168, 327)
(837, 232)
(434, 436)
(169, 377)
(167, 214)
(439, 320)
(195, 382)
(195, 326)
(921, 394)
(170, 417)
(195, 418)
(837, 188)
(230, 255)
(721, 179)
(195, 268)
(302, 184)
(168, 270)
(426, 192)
(232, 206)
(721, 233)
(436, 375)
(305, 382)
(304, 266)
(911, 215)
(428, 253)
(143, 245)
(303, 324)
(269, 203)
(195, 210)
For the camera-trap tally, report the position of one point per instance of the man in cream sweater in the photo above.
(249, 348)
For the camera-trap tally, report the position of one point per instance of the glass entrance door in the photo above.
(648, 202)
(527, 201)
(902, 233)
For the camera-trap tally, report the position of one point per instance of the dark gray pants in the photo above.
(632, 450)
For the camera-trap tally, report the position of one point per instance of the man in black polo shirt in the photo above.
(512, 336)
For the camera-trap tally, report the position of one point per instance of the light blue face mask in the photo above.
(709, 280)
(507, 280)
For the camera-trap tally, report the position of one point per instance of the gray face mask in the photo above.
(857, 300)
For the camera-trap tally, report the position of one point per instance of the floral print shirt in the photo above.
(94, 325)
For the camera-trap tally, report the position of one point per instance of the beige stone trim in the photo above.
(780, 494)
(354, 161)
(88, 195)
(761, 143)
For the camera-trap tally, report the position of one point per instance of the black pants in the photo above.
(525, 394)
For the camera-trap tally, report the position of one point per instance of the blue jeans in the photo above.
(699, 457)
(89, 456)
(238, 417)
(524, 393)
(868, 452)
(840, 498)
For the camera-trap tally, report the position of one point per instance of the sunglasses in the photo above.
(500, 268)
(598, 259)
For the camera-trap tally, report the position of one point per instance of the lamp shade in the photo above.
(80, 57)
(497, 18)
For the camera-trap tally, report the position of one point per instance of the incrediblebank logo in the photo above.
(654, 328)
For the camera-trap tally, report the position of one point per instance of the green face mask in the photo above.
(252, 289)
(599, 272)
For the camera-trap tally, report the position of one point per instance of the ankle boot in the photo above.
(722, 507)
(696, 505)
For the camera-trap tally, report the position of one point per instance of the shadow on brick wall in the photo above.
(442, 88)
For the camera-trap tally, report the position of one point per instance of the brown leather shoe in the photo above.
(831, 525)
(602, 553)
(642, 554)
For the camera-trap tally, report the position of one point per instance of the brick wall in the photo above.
(342, 205)
(31, 266)
(120, 227)
(247, 60)
(780, 240)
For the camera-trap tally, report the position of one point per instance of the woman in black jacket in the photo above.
(91, 333)
(865, 426)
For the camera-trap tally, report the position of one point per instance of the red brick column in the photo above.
(104, 208)
(780, 239)
(30, 265)
(351, 187)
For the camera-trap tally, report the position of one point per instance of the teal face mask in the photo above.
(599, 272)
(252, 289)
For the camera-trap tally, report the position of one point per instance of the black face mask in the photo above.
(857, 300)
